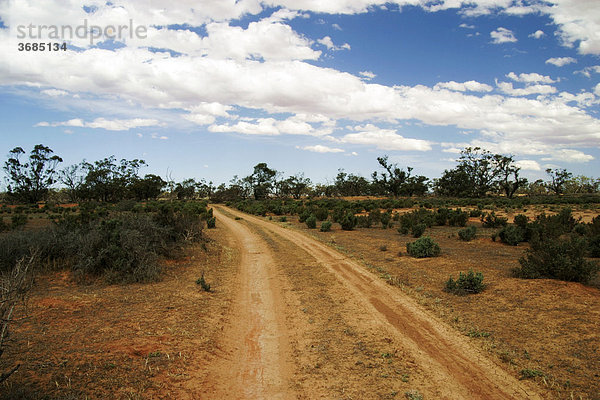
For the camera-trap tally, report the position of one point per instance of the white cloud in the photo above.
(320, 149)
(466, 26)
(588, 71)
(469, 86)
(54, 92)
(502, 35)
(597, 90)
(528, 165)
(368, 75)
(561, 61)
(386, 140)
(569, 156)
(507, 87)
(336, 27)
(327, 42)
(537, 34)
(102, 123)
(530, 78)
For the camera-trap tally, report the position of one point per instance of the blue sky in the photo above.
(217, 86)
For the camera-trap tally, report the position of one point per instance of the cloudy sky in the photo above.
(208, 89)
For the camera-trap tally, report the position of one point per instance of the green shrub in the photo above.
(283, 219)
(557, 258)
(469, 283)
(521, 220)
(512, 235)
(423, 247)
(418, 230)
(386, 218)
(304, 215)
(594, 246)
(325, 226)
(203, 284)
(475, 213)
(441, 216)
(311, 222)
(18, 221)
(348, 222)
(211, 223)
(491, 220)
(321, 213)
(363, 221)
(458, 218)
(467, 234)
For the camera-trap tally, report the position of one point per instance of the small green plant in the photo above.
(383, 247)
(423, 247)
(491, 220)
(512, 235)
(348, 222)
(418, 230)
(476, 333)
(238, 218)
(18, 221)
(531, 373)
(467, 234)
(283, 219)
(203, 284)
(557, 258)
(211, 223)
(311, 222)
(413, 395)
(325, 226)
(469, 283)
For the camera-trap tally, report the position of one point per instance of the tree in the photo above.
(107, 180)
(294, 186)
(396, 181)
(29, 181)
(351, 185)
(558, 179)
(70, 177)
(455, 182)
(508, 175)
(262, 181)
(150, 187)
(186, 190)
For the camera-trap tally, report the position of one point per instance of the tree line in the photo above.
(478, 173)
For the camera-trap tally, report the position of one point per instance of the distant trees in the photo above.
(398, 182)
(478, 173)
(558, 179)
(29, 181)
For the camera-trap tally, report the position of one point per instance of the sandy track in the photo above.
(253, 363)
(453, 368)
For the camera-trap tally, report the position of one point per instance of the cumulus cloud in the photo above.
(507, 87)
(327, 42)
(530, 78)
(470, 86)
(502, 35)
(569, 156)
(588, 71)
(320, 149)
(561, 61)
(368, 75)
(537, 34)
(102, 123)
(528, 165)
(54, 92)
(386, 140)
(466, 26)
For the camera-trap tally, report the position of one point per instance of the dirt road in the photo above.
(309, 322)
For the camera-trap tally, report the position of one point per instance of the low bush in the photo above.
(325, 226)
(469, 283)
(512, 235)
(491, 220)
(283, 219)
(423, 247)
(348, 222)
(211, 223)
(321, 213)
(418, 230)
(363, 221)
(311, 222)
(521, 220)
(467, 234)
(557, 258)
(458, 218)
(385, 218)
